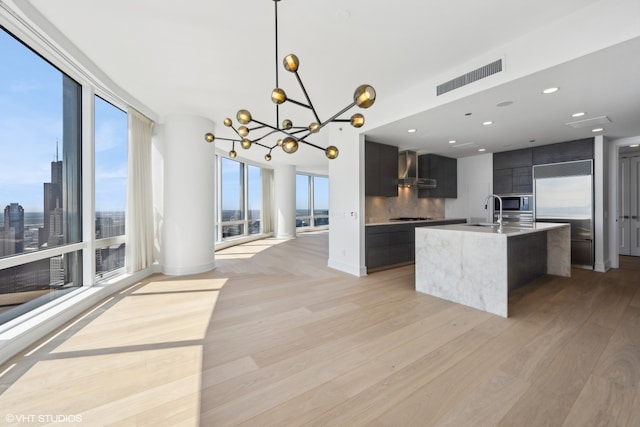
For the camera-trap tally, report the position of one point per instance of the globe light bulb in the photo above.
(364, 96)
(278, 96)
(357, 120)
(331, 152)
(291, 63)
(243, 116)
(289, 145)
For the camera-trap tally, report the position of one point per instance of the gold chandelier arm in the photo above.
(265, 125)
(311, 144)
(339, 113)
(261, 145)
(306, 95)
(271, 132)
(301, 104)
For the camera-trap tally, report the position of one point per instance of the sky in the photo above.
(31, 124)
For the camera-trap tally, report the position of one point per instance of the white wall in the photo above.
(346, 202)
(601, 204)
(475, 183)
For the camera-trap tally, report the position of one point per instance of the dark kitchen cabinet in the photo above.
(394, 244)
(444, 170)
(512, 172)
(580, 149)
(389, 245)
(380, 169)
(526, 258)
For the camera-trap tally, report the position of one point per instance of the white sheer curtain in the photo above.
(267, 200)
(139, 211)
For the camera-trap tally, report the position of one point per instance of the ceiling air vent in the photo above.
(470, 77)
(601, 120)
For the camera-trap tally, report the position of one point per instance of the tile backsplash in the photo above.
(407, 204)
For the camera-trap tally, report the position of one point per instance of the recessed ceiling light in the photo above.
(342, 14)
(532, 141)
(580, 114)
(487, 123)
(550, 90)
(467, 114)
(453, 141)
(634, 145)
(504, 104)
(412, 130)
(482, 149)
(597, 130)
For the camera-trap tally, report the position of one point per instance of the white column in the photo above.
(284, 178)
(187, 241)
(346, 202)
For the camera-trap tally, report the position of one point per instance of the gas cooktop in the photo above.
(406, 218)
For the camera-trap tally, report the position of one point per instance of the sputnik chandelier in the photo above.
(364, 97)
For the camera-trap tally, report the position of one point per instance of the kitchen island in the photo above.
(478, 265)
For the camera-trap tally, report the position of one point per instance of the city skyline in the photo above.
(31, 127)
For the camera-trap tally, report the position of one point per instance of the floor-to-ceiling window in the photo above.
(254, 199)
(111, 135)
(303, 201)
(320, 200)
(239, 199)
(40, 180)
(312, 201)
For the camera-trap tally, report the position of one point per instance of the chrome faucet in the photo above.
(486, 204)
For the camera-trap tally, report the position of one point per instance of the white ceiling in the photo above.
(210, 58)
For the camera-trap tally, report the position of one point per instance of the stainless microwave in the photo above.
(520, 203)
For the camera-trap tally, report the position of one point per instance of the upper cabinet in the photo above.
(512, 171)
(444, 170)
(580, 149)
(380, 169)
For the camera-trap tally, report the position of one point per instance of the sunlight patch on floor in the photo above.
(154, 328)
(248, 250)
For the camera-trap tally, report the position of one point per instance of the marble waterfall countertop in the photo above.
(506, 230)
(413, 221)
(477, 265)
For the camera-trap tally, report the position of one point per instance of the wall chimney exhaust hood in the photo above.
(408, 171)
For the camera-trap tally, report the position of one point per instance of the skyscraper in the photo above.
(13, 231)
(52, 229)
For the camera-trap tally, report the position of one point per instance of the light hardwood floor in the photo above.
(273, 337)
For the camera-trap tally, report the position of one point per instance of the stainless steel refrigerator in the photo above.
(563, 192)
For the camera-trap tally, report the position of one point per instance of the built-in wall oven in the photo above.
(516, 208)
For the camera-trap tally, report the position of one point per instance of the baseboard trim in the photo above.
(358, 271)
